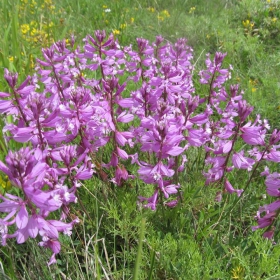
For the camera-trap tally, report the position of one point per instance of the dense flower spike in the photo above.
(82, 96)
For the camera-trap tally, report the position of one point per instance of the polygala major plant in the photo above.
(79, 101)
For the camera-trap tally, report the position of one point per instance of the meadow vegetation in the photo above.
(204, 236)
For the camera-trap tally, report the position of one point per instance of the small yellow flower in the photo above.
(274, 19)
(151, 9)
(208, 36)
(254, 89)
(165, 13)
(33, 23)
(104, 7)
(131, 20)
(34, 31)
(123, 25)
(51, 24)
(24, 28)
(192, 9)
(11, 58)
(246, 23)
(160, 18)
(116, 31)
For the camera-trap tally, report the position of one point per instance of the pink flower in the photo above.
(229, 188)
(253, 135)
(265, 221)
(241, 162)
(272, 183)
(151, 201)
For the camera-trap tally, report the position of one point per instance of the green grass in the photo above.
(200, 239)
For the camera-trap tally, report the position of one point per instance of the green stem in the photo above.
(139, 251)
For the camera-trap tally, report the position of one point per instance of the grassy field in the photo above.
(200, 238)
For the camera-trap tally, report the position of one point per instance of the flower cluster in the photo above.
(79, 100)
(37, 32)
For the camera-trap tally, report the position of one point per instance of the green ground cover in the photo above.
(199, 239)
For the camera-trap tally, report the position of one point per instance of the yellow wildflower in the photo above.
(11, 58)
(151, 9)
(104, 7)
(192, 9)
(33, 23)
(24, 28)
(131, 20)
(274, 19)
(160, 18)
(165, 13)
(51, 24)
(116, 31)
(246, 23)
(123, 25)
(34, 31)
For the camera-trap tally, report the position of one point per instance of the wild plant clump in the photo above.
(140, 107)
